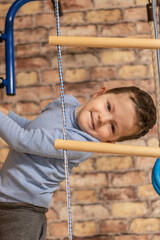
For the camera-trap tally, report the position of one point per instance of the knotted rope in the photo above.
(63, 123)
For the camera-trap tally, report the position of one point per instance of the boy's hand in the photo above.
(4, 110)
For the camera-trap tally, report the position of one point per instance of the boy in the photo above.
(33, 169)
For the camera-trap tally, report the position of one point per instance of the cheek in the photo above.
(82, 120)
(103, 133)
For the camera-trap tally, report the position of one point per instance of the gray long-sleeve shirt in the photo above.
(34, 169)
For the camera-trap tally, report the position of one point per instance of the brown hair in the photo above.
(145, 110)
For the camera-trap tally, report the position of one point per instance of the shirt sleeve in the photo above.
(38, 141)
(21, 121)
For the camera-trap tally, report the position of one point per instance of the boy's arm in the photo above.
(18, 119)
(21, 121)
(35, 141)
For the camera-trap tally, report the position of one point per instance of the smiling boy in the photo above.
(33, 169)
(117, 114)
(108, 117)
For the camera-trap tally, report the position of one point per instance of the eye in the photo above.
(112, 128)
(109, 107)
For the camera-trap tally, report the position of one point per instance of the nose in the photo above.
(105, 118)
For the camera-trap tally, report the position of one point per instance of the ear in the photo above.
(100, 91)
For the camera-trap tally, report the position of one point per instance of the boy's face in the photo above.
(107, 116)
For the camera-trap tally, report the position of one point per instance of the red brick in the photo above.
(23, 22)
(45, 19)
(26, 79)
(2, 51)
(102, 73)
(79, 89)
(132, 237)
(147, 85)
(155, 211)
(156, 237)
(31, 35)
(51, 215)
(114, 3)
(27, 50)
(31, 63)
(73, 19)
(8, 106)
(3, 154)
(48, 50)
(4, 145)
(2, 24)
(73, 50)
(59, 197)
(50, 76)
(4, 7)
(145, 55)
(32, 8)
(48, 7)
(89, 180)
(144, 163)
(95, 238)
(80, 60)
(35, 94)
(119, 83)
(113, 226)
(58, 230)
(84, 228)
(85, 167)
(143, 27)
(88, 30)
(100, 16)
(84, 196)
(117, 30)
(153, 131)
(135, 14)
(128, 179)
(26, 108)
(2, 63)
(117, 194)
(75, 4)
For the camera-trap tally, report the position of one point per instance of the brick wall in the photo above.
(112, 196)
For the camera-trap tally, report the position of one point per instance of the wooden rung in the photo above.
(109, 148)
(98, 42)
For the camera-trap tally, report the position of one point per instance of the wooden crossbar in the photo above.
(109, 148)
(98, 42)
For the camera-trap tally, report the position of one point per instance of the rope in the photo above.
(156, 80)
(63, 123)
(156, 65)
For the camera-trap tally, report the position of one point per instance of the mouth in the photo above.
(92, 122)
